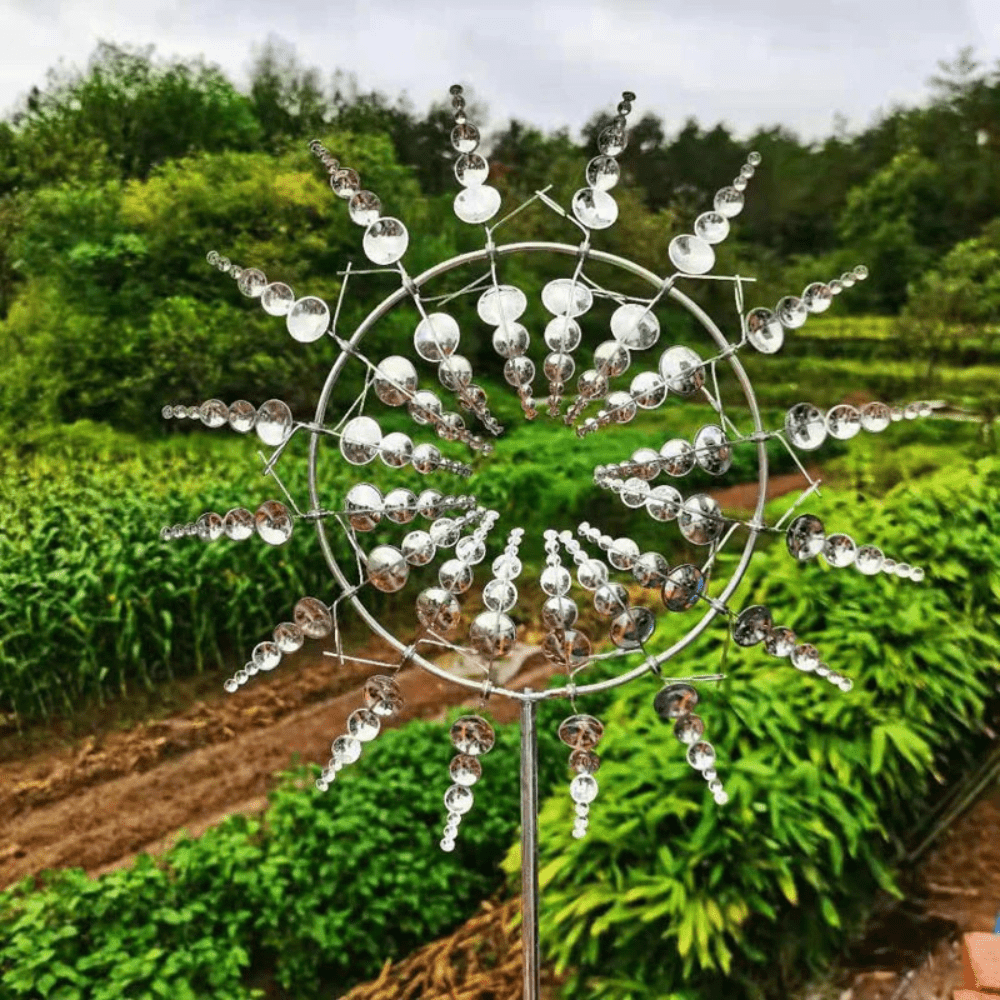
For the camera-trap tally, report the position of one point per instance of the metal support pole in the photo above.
(529, 847)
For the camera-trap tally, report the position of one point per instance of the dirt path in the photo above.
(955, 890)
(481, 960)
(912, 950)
(743, 496)
(97, 806)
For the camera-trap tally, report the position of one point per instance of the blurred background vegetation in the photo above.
(114, 182)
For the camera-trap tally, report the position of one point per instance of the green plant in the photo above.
(667, 889)
(92, 601)
(325, 889)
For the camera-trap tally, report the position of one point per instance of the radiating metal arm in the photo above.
(570, 250)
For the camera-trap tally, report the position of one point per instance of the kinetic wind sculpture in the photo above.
(457, 530)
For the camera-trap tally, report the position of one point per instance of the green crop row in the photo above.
(93, 603)
(848, 328)
(829, 379)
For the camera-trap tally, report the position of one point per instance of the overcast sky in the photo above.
(550, 62)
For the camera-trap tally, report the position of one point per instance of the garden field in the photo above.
(115, 644)
(160, 838)
(208, 758)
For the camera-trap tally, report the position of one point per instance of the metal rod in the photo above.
(529, 847)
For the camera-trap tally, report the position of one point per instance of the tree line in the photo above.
(113, 177)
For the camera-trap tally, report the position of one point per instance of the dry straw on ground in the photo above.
(480, 961)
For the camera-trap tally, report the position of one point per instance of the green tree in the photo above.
(964, 288)
(422, 142)
(963, 136)
(123, 116)
(953, 311)
(119, 311)
(287, 99)
(892, 220)
(525, 159)
(11, 214)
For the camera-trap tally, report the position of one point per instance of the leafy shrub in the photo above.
(131, 934)
(668, 891)
(327, 888)
(120, 313)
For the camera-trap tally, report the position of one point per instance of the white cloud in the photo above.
(549, 63)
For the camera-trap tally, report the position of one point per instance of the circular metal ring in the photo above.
(571, 250)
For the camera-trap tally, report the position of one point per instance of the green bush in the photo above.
(670, 892)
(119, 313)
(324, 890)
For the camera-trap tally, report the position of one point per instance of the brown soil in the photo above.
(743, 496)
(98, 803)
(912, 950)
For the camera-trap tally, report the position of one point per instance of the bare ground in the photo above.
(98, 804)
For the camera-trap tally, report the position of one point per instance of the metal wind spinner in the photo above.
(411, 530)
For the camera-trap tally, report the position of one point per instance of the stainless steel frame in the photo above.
(529, 698)
(570, 250)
